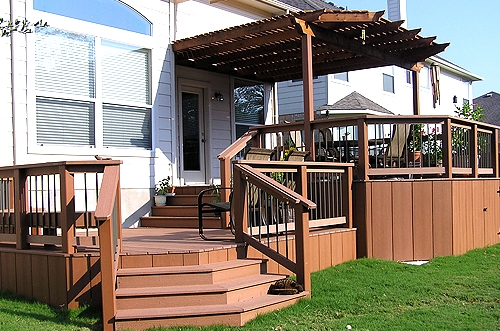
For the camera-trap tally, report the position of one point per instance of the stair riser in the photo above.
(226, 319)
(193, 299)
(175, 211)
(233, 319)
(188, 200)
(137, 281)
(186, 222)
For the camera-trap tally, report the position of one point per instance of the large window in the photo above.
(248, 105)
(111, 13)
(91, 91)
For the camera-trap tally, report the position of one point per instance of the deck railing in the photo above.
(51, 204)
(277, 203)
(392, 146)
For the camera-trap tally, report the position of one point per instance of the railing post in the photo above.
(473, 153)
(107, 254)
(225, 177)
(363, 149)
(447, 150)
(67, 209)
(347, 194)
(494, 151)
(118, 203)
(20, 205)
(240, 201)
(302, 251)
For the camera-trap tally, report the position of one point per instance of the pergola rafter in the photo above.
(270, 50)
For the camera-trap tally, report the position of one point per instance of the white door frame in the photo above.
(195, 177)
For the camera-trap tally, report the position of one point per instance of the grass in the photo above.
(448, 293)
(20, 314)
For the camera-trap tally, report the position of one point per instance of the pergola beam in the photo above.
(351, 45)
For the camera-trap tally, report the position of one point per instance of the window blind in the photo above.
(64, 63)
(126, 126)
(64, 122)
(125, 73)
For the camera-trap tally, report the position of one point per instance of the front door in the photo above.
(193, 136)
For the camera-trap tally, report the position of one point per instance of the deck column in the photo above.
(307, 75)
(473, 153)
(20, 206)
(416, 92)
(447, 159)
(67, 209)
(363, 149)
(494, 151)
(302, 247)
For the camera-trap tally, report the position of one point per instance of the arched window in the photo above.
(111, 13)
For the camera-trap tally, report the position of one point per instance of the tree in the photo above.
(8, 27)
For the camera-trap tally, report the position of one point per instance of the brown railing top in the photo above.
(273, 187)
(237, 146)
(352, 120)
(72, 164)
(288, 164)
(107, 195)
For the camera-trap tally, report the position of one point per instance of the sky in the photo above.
(471, 26)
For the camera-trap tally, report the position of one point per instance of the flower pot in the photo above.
(415, 157)
(160, 200)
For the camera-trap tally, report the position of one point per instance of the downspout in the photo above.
(12, 86)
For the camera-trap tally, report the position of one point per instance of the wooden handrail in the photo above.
(108, 203)
(274, 188)
(237, 146)
(107, 195)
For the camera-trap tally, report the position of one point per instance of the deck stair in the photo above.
(181, 211)
(230, 292)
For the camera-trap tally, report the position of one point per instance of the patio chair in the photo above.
(219, 207)
(394, 153)
(296, 155)
(324, 147)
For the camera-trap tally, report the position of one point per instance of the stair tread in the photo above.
(180, 217)
(238, 307)
(202, 268)
(201, 288)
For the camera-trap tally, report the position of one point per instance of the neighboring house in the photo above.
(389, 86)
(490, 102)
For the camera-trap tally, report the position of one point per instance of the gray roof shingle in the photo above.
(310, 4)
(490, 102)
(355, 102)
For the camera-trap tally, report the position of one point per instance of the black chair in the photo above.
(216, 208)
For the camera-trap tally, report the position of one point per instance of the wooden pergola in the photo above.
(307, 44)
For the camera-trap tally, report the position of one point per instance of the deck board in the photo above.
(174, 240)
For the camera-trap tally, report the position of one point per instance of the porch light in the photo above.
(455, 99)
(218, 96)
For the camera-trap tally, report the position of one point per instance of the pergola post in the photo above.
(307, 79)
(416, 92)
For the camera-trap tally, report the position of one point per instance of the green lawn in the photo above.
(449, 293)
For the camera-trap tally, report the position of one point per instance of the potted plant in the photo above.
(163, 189)
(415, 143)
